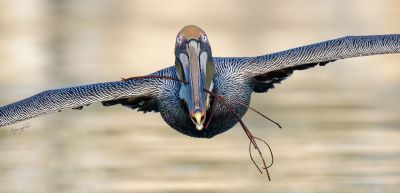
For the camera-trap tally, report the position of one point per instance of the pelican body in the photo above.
(184, 105)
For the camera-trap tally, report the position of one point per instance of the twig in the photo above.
(252, 139)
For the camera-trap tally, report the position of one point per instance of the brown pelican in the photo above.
(201, 96)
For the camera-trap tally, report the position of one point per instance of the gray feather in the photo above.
(346, 47)
(76, 97)
(271, 69)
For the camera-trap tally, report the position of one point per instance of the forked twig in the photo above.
(222, 101)
(270, 150)
(251, 137)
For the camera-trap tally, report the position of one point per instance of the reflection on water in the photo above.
(341, 122)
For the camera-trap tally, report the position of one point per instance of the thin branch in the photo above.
(258, 112)
(252, 139)
(211, 116)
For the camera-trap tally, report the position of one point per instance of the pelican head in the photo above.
(194, 64)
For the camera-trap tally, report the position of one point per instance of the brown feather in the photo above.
(191, 32)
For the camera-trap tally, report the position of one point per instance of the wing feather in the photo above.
(76, 97)
(264, 82)
(270, 69)
(346, 47)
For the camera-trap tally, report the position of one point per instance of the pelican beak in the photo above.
(194, 61)
(194, 64)
(199, 124)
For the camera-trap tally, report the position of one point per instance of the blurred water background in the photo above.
(341, 122)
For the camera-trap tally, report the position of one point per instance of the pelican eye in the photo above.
(179, 39)
(204, 38)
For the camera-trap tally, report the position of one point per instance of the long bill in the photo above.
(195, 71)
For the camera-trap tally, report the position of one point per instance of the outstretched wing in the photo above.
(270, 69)
(137, 91)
